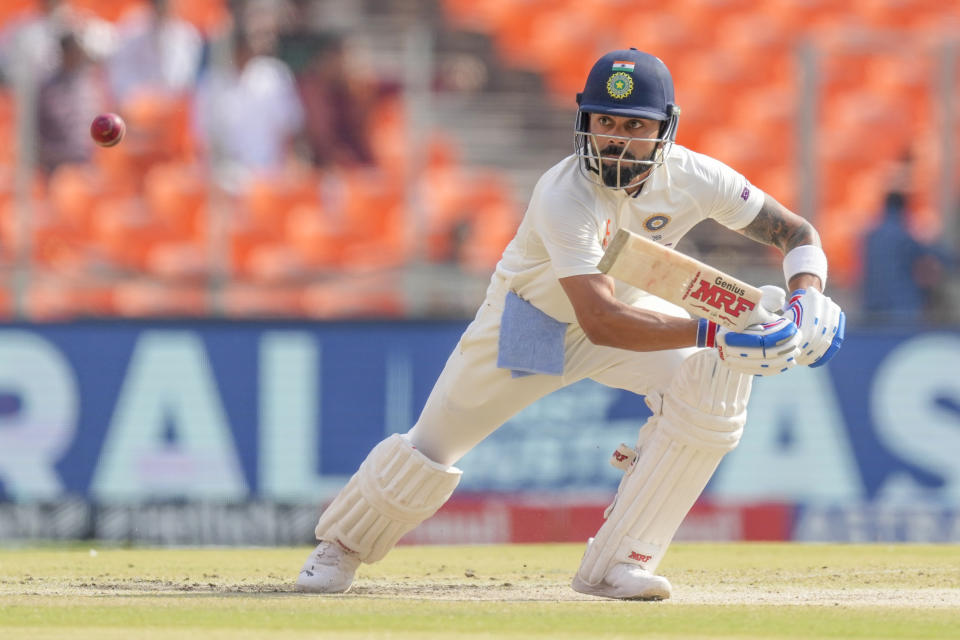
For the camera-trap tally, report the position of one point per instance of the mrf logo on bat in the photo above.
(720, 294)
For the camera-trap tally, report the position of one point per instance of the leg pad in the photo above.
(701, 419)
(395, 489)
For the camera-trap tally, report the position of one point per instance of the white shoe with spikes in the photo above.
(328, 569)
(626, 582)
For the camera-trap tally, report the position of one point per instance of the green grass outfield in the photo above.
(734, 591)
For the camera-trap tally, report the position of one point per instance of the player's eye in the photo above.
(635, 124)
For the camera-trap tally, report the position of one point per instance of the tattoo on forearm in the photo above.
(780, 229)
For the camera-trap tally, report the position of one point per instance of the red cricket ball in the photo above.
(107, 129)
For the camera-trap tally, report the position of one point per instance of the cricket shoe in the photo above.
(626, 582)
(328, 569)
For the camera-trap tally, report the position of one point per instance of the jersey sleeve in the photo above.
(570, 233)
(737, 202)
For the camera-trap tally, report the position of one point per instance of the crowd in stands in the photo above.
(268, 160)
(266, 169)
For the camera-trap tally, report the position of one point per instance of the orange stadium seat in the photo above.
(314, 237)
(806, 14)
(271, 261)
(442, 194)
(175, 260)
(51, 299)
(355, 297)
(493, 227)
(743, 149)
(60, 250)
(880, 124)
(13, 9)
(780, 182)
(388, 126)
(53, 246)
(699, 116)
(605, 17)
(269, 199)
(516, 25)
(139, 298)
(209, 16)
(479, 15)
(900, 15)
(661, 35)
(7, 304)
(121, 232)
(375, 231)
(841, 236)
(564, 49)
(121, 175)
(176, 197)
(246, 300)
(8, 131)
(73, 191)
(111, 10)
(904, 76)
(158, 130)
(699, 19)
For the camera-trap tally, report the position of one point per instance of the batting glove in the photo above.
(759, 350)
(821, 324)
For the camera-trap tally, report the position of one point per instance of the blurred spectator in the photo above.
(299, 35)
(338, 98)
(247, 114)
(31, 44)
(158, 54)
(67, 102)
(901, 274)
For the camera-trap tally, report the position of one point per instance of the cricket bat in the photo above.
(697, 287)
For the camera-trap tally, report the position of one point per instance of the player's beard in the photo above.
(618, 168)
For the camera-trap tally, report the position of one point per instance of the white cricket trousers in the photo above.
(472, 397)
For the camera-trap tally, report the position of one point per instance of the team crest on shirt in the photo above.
(656, 222)
(619, 85)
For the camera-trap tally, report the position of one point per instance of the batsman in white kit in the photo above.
(552, 317)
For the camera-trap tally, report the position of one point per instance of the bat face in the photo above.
(697, 287)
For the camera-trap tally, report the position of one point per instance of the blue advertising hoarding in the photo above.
(282, 413)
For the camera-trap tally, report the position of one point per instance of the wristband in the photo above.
(706, 333)
(806, 258)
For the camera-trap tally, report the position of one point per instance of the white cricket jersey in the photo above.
(570, 220)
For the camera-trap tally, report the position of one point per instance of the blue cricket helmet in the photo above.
(626, 83)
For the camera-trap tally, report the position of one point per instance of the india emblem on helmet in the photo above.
(619, 85)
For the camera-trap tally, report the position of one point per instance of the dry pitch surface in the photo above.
(518, 591)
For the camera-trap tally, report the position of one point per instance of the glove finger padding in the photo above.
(772, 301)
(760, 350)
(821, 324)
